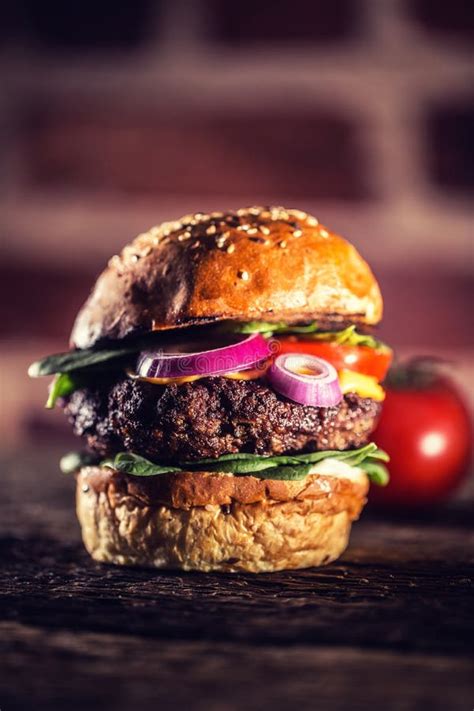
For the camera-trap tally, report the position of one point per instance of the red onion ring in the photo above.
(306, 379)
(235, 356)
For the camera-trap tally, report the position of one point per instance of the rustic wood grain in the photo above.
(87, 670)
(390, 623)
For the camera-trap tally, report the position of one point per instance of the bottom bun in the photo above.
(130, 522)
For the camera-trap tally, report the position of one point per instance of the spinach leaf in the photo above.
(286, 473)
(138, 466)
(118, 355)
(356, 457)
(245, 462)
(350, 456)
(76, 360)
(263, 462)
(62, 385)
(256, 462)
(377, 473)
(284, 467)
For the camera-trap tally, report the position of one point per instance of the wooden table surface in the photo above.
(389, 626)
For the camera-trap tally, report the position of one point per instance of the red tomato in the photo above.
(369, 361)
(427, 433)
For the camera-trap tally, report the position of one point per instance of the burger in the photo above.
(224, 379)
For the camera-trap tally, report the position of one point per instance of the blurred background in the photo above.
(118, 115)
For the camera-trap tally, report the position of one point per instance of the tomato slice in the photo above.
(369, 361)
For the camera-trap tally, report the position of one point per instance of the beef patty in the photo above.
(211, 417)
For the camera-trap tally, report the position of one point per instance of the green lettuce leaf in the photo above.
(267, 328)
(264, 327)
(348, 336)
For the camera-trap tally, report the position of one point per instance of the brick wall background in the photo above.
(116, 116)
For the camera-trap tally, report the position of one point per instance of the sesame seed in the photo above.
(297, 233)
(252, 231)
(242, 274)
(221, 239)
(282, 244)
(134, 258)
(230, 248)
(195, 244)
(85, 488)
(211, 230)
(279, 213)
(243, 228)
(312, 221)
(324, 233)
(183, 236)
(264, 229)
(299, 214)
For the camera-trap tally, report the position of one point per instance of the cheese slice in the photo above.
(349, 380)
(363, 385)
(249, 374)
(172, 381)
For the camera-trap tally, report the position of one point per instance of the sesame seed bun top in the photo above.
(269, 264)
